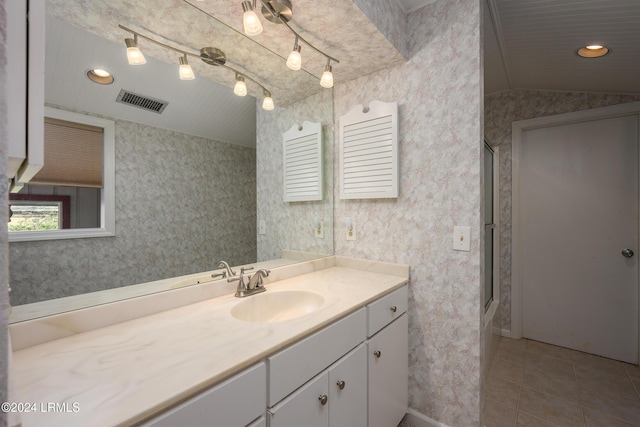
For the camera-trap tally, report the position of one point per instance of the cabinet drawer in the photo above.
(295, 365)
(234, 402)
(381, 312)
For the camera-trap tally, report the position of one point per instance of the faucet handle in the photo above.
(222, 275)
(241, 285)
(243, 269)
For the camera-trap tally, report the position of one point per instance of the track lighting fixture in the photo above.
(134, 55)
(209, 55)
(294, 61)
(186, 73)
(240, 88)
(250, 21)
(281, 12)
(327, 77)
(267, 104)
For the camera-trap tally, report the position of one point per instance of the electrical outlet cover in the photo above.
(462, 238)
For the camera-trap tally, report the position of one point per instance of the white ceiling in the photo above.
(219, 115)
(529, 44)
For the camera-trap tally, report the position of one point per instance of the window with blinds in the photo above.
(73, 155)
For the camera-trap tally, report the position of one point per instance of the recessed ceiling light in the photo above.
(592, 51)
(100, 76)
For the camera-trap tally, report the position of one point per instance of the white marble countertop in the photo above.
(125, 372)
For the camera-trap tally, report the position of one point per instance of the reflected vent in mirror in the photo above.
(142, 101)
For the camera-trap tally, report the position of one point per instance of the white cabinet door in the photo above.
(388, 362)
(348, 390)
(305, 407)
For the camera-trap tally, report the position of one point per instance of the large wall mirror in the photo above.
(192, 183)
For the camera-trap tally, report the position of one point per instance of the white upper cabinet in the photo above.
(25, 89)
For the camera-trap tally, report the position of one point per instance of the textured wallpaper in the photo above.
(500, 111)
(439, 94)
(4, 274)
(182, 204)
(290, 225)
(390, 20)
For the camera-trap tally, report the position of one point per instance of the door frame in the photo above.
(517, 130)
(490, 311)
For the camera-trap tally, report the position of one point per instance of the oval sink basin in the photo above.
(276, 306)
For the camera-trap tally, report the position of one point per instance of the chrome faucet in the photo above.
(254, 286)
(255, 280)
(228, 271)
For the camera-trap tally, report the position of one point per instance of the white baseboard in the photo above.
(416, 419)
(506, 333)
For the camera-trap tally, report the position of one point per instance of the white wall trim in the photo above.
(416, 419)
(517, 130)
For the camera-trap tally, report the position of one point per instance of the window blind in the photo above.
(72, 155)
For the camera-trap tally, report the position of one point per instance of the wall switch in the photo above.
(462, 239)
(262, 227)
(319, 231)
(350, 231)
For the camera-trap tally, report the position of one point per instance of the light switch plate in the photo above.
(319, 230)
(462, 238)
(262, 227)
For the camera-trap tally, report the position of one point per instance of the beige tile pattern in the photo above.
(531, 383)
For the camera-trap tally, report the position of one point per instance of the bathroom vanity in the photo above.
(335, 353)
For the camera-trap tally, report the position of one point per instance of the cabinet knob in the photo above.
(377, 353)
(323, 399)
(341, 384)
(394, 308)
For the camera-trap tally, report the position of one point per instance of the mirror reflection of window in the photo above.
(66, 192)
(35, 213)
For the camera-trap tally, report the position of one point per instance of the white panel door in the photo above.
(579, 213)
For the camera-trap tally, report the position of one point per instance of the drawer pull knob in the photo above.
(323, 399)
(341, 384)
(394, 308)
(377, 353)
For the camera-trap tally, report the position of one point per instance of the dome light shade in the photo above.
(294, 61)
(250, 20)
(134, 55)
(186, 72)
(267, 104)
(240, 88)
(327, 77)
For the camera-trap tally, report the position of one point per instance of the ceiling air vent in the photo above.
(142, 101)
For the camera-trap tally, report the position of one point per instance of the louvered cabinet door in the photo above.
(369, 152)
(302, 163)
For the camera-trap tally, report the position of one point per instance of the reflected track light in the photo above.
(281, 12)
(134, 55)
(208, 55)
(185, 70)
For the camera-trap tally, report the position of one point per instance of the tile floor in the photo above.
(535, 384)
